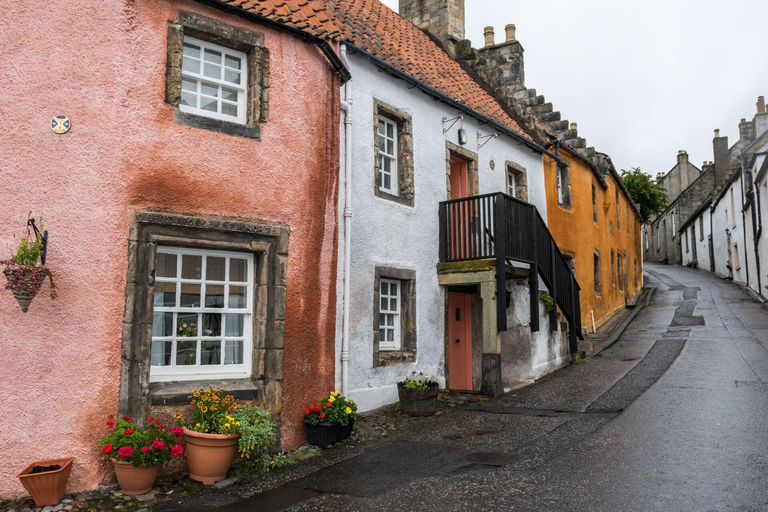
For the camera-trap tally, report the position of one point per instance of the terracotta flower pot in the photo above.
(47, 488)
(135, 479)
(209, 455)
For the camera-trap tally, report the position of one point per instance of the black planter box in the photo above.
(326, 434)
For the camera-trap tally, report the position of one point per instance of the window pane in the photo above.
(390, 131)
(384, 304)
(238, 270)
(186, 352)
(211, 325)
(384, 288)
(191, 65)
(393, 304)
(235, 324)
(233, 353)
(162, 324)
(215, 269)
(210, 352)
(190, 295)
(212, 56)
(387, 166)
(390, 335)
(191, 50)
(387, 182)
(232, 62)
(187, 325)
(229, 94)
(161, 353)
(214, 296)
(393, 288)
(390, 320)
(189, 100)
(382, 129)
(165, 265)
(209, 104)
(237, 297)
(212, 71)
(209, 90)
(229, 109)
(382, 319)
(165, 295)
(382, 143)
(189, 85)
(232, 77)
(390, 147)
(191, 267)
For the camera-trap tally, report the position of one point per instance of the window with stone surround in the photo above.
(563, 185)
(217, 76)
(204, 305)
(613, 267)
(394, 316)
(393, 139)
(596, 265)
(594, 203)
(517, 181)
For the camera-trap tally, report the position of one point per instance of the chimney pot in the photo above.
(743, 120)
(760, 104)
(489, 36)
(510, 29)
(682, 152)
(574, 126)
(717, 134)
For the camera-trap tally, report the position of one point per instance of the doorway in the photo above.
(460, 341)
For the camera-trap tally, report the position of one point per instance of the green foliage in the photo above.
(256, 431)
(646, 193)
(335, 409)
(418, 381)
(264, 464)
(549, 302)
(30, 247)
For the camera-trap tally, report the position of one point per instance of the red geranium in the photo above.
(329, 404)
(128, 431)
(322, 415)
(144, 450)
(127, 418)
(125, 452)
(177, 431)
(107, 448)
(177, 449)
(111, 424)
(149, 419)
(158, 444)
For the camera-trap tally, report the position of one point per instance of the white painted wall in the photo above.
(385, 233)
(701, 242)
(724, 219)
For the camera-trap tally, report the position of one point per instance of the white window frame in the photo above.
(559, 184)
(199, 371)
(199, 78)
(511, 184)
(392, 157)
(396, 326)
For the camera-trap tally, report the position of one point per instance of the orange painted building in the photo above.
(599, 229)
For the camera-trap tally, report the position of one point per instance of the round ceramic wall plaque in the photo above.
(60, 124)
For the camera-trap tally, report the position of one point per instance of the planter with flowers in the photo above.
(220, 429)
(138, 453)
(330, 420)
(418, 395)
(26, 272)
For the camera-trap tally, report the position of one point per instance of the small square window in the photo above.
(213, 81)
(389, 314)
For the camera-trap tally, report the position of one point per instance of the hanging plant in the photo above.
(25, 271)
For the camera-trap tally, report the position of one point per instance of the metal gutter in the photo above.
(322, 44)
(440, 96)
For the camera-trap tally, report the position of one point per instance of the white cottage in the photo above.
(426, 157)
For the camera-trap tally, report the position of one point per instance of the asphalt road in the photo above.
(674, 416)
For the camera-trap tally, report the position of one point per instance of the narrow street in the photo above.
(674, 416)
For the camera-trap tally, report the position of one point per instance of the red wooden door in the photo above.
(460, 341)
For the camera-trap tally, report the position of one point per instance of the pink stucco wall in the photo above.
(102, 63)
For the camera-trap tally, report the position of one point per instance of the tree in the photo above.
(646, 193)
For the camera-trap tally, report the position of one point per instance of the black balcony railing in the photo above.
(476, 227)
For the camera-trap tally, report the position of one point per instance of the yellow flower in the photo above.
(237, 424)
(353, 403)
(226, 425)
(349, 410)
(331, 399)
(177, 415)
(204, 409)
(234, 406)
(230, 418)
(213, 407)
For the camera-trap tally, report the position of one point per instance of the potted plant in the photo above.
(219, 429)
(330, 420)
(23, 274)
(137, 453)
(418, 395)
(46, 480)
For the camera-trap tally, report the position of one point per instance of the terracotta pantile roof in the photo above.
(312, 16)
(377, 29)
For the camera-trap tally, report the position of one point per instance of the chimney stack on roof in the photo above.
(510, 29)
(682, 157)
(574, 126)
(444, 19)
(489, 36)
(761, 104)
(722, 157)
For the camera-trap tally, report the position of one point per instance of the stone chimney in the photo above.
(489, 36)
(761, 104)
(746, 130)
(682, 157)
(443, 19)
(760, 123)
(722, 157)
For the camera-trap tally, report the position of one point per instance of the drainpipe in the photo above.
(346, 107)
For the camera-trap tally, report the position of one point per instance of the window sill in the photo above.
(390, 357)
(173, 393)
(216, 125)
(405, 201)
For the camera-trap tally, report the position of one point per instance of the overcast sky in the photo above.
(642, 79)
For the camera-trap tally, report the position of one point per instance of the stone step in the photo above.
(544, 108)
(557, 126)
(550, 117)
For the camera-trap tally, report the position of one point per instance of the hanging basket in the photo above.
(25, 282)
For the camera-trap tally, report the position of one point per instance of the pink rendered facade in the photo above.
(103, 64)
